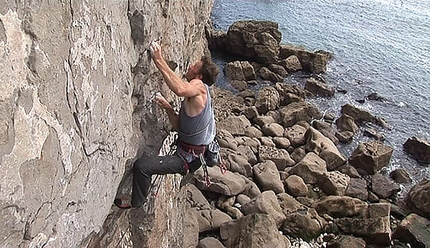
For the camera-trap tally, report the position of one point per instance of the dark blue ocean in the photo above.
(379, 47)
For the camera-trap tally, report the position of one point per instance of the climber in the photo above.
(195, 125)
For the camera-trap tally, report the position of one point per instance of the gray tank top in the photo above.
(200, 129)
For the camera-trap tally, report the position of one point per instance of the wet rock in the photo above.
(290, 93)
(418, 148)
(400, 176)
(319, 88)
(362, 116)
(414, 230)
(370, 157)
(310, 61)
(345, 137)
(418, 198)
(239, 85)
(326, 129)
(346, 123)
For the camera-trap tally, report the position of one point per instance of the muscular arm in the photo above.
(175, 83)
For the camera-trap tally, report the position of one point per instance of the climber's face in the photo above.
(194, 71)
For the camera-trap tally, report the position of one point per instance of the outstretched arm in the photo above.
(175, 83)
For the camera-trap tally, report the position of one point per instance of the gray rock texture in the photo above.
(75, 89)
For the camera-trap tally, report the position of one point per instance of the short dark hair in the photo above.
(209, 71)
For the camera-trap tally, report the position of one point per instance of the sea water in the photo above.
(379, 46)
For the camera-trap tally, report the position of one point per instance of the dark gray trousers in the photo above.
(145, 167)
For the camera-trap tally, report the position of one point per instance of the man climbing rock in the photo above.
(195, 125)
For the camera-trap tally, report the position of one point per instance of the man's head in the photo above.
(204, 69)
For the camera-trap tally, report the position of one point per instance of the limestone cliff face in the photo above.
(75, 88)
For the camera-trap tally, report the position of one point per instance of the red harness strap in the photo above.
(195, 150)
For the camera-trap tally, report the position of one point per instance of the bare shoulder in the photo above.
(198, 84)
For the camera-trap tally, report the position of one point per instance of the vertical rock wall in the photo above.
(75, 87)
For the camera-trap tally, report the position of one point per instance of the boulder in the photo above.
(373, 230)
(273, 129)
(306, 224)
(414, 230)
(400, 176)
(253, 132)
(418, 198)
(240, 164)
(290, 93)
(361, 116)
(325, 148)
(347, 123)
(279, 156)
(267, 177)
(256, 40)
(267, 99)
(254, 230)
(296, 135)
(227, 184)
(195, 198)
(346, 241)
(370, 157)
(314, 62)
(239, 85)
(340, 206)
(418, 148)
(265, 203)
(282, 142)
(291, 64)
(310, 168)
(262, 120)
(357, 188)
(383, 187)
(209, 242)
(211, 219)
(236, 125)
(326, 129)
(334, 183)
(289, 204)
(319, 88)
(240, 70)
(298, 111)
(296, 186)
